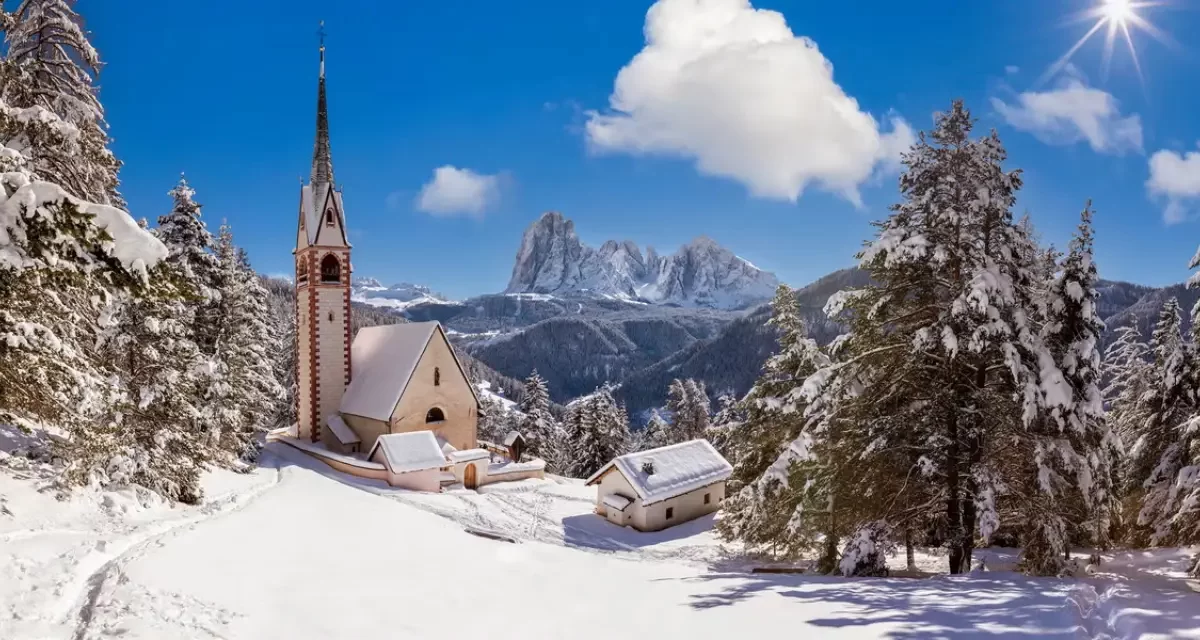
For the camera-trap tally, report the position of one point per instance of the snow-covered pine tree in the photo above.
(778, 485)
(679, 406)
(1166, 454)
(50, 64)
(157, 439)
(538, 424)
(190, 247)
(62, 260)
(935, 377)
(1072, 466)
(1128, 370)
(687, 402)
(725, 423)
(602, 433)
(247, 388)
(1160, 449)
(657, 432)
(699, 417)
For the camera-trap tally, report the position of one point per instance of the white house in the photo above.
(660, 488)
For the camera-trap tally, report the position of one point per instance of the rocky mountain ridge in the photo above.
(552, 260)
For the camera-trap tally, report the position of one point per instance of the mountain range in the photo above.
(552, 260)
(583, 316)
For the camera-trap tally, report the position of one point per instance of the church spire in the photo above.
(322, 166)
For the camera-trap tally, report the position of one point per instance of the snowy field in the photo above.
(296, 550)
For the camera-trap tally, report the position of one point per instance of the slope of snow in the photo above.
(322, 555)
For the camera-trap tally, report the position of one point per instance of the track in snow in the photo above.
(95, 572)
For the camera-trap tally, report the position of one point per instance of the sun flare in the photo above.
(1114, 17)
(1118, 11)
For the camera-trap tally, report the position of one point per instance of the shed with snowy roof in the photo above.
(659, 488)
(413, 460)
(404, 378)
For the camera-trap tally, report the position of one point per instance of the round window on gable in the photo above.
(435, 415)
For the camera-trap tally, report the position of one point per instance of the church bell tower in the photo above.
(322, 286)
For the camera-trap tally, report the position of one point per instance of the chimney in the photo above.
(648, 467)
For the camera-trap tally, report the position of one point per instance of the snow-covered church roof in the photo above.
(382, 361)
(677, 469)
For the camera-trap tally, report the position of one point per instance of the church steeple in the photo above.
(322, 164)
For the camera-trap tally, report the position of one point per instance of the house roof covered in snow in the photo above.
(412, 451)
(616, 501)
(341, 430)
(677, 469)
(512, 438)
(382, 361)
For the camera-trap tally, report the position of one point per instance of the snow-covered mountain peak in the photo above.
(552, 260)
(398, 296)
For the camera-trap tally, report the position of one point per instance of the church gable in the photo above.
(330, 223)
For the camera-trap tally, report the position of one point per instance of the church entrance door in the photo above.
(469, 477)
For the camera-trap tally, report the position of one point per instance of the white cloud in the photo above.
(1071, 113)
(731, 87)
(1012, 69)
(1175, 177)
(454, 191)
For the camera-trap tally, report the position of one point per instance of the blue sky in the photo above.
(505, 89)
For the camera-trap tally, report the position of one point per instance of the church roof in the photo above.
(382, 361)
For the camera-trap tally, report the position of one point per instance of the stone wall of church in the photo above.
(332, 348)
(304, 360)
(452, 396)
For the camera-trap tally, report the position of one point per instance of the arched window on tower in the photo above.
(435, 415)
(302, 270)
(437, 376)
(329, 218)
(331, 269)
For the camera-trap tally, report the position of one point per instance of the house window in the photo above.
(707, 498)
(329, 218)
(670, 512)
(437, 377)
(435, 415)
(331, 269)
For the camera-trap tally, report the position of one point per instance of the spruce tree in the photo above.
(601, 433)
(944, 368)
(51, 65)
(1071, 473)
(538, 425)
(244, 341)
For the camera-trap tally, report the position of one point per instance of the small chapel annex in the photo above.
(392, 402)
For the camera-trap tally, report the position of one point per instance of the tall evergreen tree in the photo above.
(602, 433)
(244, 341)
(51, 65)
(538, 425)
(944, 368)
(1073, 445)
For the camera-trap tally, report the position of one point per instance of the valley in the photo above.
(583, 317)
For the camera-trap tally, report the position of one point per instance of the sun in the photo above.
(1118, 11)
(1114, 16)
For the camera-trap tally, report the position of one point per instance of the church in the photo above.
(361, 398)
